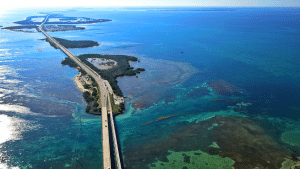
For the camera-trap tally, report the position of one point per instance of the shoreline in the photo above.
(91, 93)
(79, 83)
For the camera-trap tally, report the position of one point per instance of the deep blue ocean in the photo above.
(254, 51)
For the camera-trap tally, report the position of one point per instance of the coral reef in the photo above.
(241, 139)
(226, 100)
(291, 137)
(166, 117)
(193, 159)
(147, 123)
(198, 92)
(224, 88)
(291, 164)
(247, 108)
(247, 143)
(144, 102)
(170, 99)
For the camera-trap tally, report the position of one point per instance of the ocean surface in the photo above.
(253, 53)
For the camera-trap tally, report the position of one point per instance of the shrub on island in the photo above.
(72, 43)
(68, 61)
(122, 69)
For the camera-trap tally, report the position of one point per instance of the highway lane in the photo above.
(104, 95)
(112, 123)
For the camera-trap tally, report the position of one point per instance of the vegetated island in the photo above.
(54, 22)
(59, 19)
(47, 28)
(73, 44)
(113, 66)
(56, 28)
(121, 69)
(21, 28)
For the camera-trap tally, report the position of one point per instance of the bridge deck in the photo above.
(104, 95)
(116, 147)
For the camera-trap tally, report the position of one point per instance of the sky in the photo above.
(16, 4)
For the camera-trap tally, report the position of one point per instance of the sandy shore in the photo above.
(79, 83)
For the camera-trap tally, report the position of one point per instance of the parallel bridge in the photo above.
(106, 108)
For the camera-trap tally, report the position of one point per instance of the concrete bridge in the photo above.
(105, 90)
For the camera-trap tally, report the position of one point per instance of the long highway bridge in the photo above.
(104, 87)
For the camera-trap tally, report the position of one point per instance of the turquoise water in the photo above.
(254, 49)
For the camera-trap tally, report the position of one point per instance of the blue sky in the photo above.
(15, 4)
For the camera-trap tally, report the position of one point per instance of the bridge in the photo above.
(106, 109)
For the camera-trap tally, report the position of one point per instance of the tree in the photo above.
(88, 108)
(94, 93)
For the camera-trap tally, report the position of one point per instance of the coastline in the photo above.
(147, 82)
(90, 92)
(79, 83)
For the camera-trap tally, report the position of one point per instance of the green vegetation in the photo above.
(19, 27)
(94, 93)
(122, 69)
(82, 72)
(73, 44)
(92, 100)
(87, 97)
(92, 97)
(94, 83)
(86, 86)
(70, 62)
(116, 108)
(139, 70)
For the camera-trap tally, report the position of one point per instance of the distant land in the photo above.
(58, 19)
(54, 23)
(55, 28)
(109, 67)
(73, 44)
(47, 28)
(21, 28)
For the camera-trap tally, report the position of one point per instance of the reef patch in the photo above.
(188, 159)
(247, 143)
(242, 140)
(291, 137)
(198, 92)
(224, 88)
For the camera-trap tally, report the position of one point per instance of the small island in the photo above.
(56, 28)
(52, 23)
(27, 29)
(47, 28)
(109, 67)
(73, 44)
(58, 19)
(122, 68)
